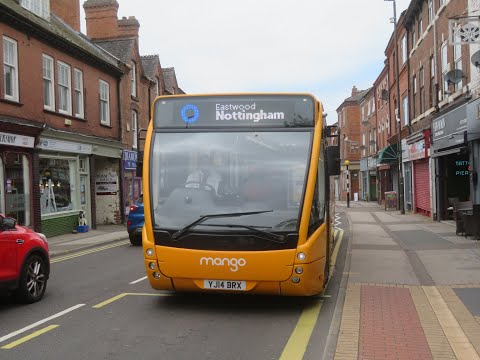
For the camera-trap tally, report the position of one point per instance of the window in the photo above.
(133, 78)
(134, 128)
(414, 38)
(38, 7)
(444, 66)
(404, 113)
(420, 26)
(57, 185)
(414, 95)
(403, 49)
(79, 107)
(457, 59)
(48, 81)
(421, 81)
(104, 103)
(353, 147)
(157, 86)
(10, 69)
(430, 11)
(64, 89)
(373, 105)
(363, 144)
(442, 2)
(432, 81)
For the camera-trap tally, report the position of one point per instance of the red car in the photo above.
(24, 261)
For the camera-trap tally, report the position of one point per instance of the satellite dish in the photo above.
(476, 59)
(454, 76)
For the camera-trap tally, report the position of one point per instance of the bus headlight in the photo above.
(152, 266)
(301, 256)
(150, 252)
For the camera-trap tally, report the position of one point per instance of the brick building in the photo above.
(59, 118)
(349, 121)
(368, 146)
(144, 80)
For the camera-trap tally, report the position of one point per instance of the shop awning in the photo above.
(389, 155)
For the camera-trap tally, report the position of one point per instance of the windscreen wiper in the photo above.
(202, 218)
(269, 236)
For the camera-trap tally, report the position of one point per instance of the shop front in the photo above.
(364, 179)
(17, 178)
(418, 155)
(452, 160)
(473, 134)
(387, 161)
(372, 178)
(64, 179)
(78, 173)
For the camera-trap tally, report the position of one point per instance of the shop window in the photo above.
(57, 185)
(16, 179)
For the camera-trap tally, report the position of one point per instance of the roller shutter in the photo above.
(422, 187)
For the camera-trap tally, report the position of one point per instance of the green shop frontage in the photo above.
(72, 169)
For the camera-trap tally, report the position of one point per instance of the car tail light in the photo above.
(133, 208)
(129, 223)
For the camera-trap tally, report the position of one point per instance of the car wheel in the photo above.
(33, 280)
(135, 240)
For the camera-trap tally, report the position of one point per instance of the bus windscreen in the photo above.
(235, 111)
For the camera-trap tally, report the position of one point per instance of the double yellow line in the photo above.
(86, 252)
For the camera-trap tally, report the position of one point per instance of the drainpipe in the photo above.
(120, 138)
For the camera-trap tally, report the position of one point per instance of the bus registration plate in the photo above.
(225, 285)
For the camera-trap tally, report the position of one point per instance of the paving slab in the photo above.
(361, 217)
(470, 298)
(423, 240)
(370, 235)
(382, 267)
(452, 266)
(387, 218)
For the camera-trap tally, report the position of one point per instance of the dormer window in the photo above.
(38, 7)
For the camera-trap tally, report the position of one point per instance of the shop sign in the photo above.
(390, 200)
(16, 140)
(448, 129)
(129, 160)
(372, 162)
(417, 150)
(66, 146)
(106, 183)
(473, 130)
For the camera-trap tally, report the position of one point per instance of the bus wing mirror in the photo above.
(140, 164)
(333, 160)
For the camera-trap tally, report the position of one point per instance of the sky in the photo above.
(322, 47)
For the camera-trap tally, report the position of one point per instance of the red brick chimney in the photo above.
(354, 90)
(68, 11)
(128, 27)
(102, 18)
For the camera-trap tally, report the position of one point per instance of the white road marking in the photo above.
(137, 281)
(61, 313)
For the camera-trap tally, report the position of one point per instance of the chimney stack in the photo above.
(128, 27)
(68, 11)
(102, 18)
(354, 90)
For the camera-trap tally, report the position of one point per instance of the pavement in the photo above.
(412, 288)
(103, 235)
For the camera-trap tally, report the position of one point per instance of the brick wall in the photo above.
(31, 97)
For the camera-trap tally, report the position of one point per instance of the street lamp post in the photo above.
(347, 163)
(397, 116)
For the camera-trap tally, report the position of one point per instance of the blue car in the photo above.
(135, 221)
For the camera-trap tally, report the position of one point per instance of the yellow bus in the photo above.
(237, 195)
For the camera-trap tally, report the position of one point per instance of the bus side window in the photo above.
(317, 214)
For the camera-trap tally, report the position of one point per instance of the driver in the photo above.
(205, 176)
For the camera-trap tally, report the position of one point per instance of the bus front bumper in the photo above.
(308, 282)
